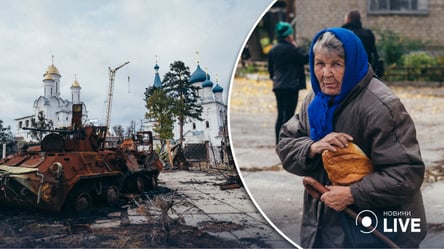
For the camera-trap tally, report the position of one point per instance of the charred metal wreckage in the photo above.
(71, 169)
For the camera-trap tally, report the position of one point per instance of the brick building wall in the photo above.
(314, 15)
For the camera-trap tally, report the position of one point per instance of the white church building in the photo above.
(214, 112)
(53, 106)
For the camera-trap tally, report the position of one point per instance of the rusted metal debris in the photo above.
(230, 186)
(72, 169)
(233, 181)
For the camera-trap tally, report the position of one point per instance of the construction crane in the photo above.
(109, 103)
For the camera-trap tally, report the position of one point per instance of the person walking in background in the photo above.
(286, 69)
(352, 21)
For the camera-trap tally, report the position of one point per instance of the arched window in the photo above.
(194, 126)
(207, 124)
(20, 124)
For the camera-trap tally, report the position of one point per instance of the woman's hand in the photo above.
(338, 139)
(338, 198)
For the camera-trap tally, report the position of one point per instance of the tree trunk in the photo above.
(181, 123)
(255, 47)
(170, 157)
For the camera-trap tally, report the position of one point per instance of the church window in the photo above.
(27, 123)
(20, 124)
(194, 126)
(207, 123)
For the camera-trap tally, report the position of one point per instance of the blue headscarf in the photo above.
(320, 113)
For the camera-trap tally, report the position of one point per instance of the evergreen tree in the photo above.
(5, 134)
(159, 106)
(176, 85)
(118, 130)
(6, 137)
(41, 123)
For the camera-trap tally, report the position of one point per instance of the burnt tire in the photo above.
(80, 201)
(83, 202)
(136, 184)
(112, 196)
(139, 185)
(151, 182)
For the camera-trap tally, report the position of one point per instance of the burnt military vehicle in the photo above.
(71, 169)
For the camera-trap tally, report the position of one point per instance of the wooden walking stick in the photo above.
(316, 189)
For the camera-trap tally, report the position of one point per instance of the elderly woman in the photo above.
(349, 104)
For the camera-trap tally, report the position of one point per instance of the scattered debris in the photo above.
(219, 226)
(435, 227)
(163, 217)
(434, 173)
(232, 182)
(265, 168)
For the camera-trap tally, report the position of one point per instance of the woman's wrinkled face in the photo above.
(329, 69)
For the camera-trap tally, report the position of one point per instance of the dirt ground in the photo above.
(37, 229)
(159, 225)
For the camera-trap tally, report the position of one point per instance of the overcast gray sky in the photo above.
(87, 37)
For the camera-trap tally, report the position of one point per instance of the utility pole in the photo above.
(112, 75)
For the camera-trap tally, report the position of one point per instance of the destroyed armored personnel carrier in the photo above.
(71, 169)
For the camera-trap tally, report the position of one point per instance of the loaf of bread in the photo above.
(346, 165)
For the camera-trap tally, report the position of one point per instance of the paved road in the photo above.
(279, 194)
(207, 203)
(229, 215)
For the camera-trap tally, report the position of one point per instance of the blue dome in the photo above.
(207, 83)
(199, 75)
(218, 89)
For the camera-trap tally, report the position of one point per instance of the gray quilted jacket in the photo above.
(380, 125)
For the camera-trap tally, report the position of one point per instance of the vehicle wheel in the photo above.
(82, 201)
(140, 185)
(112, 196)
(155, 182)
(151, 182)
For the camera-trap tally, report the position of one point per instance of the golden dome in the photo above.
(52, 70)
(75, 84)
(48, 77)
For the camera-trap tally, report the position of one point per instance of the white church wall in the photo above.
(55, 108)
